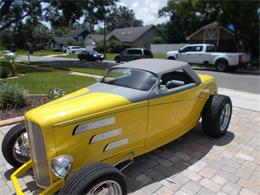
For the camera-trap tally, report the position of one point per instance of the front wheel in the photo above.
(96, 178)
(216, 115)
(15, 146)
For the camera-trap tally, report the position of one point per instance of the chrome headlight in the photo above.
(61, 165)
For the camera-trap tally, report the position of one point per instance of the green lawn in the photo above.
(159, 55)
(72, 68)
(39, 81)
(73, 56)
(111, 56)
(39, 52)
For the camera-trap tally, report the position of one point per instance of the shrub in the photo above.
(56, 93)
(112, 46)
(12, 95)
(6, 69)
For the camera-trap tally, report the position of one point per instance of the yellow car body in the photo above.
(107, 127)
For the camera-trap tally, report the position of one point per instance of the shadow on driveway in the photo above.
(168, 160)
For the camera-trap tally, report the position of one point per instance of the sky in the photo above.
(146, 10)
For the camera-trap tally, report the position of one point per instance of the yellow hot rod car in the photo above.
(79, 143)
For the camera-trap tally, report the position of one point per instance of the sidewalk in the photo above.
(243, 100)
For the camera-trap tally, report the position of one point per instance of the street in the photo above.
(239, 81)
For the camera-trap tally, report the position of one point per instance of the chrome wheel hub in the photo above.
(108, 187)
(225, 117)
(21, 150)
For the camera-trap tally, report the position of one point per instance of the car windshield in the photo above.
(131, 78)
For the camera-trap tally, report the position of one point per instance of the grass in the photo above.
(38, 53)
(39, 81)
(75, 68)
(111, 56)
(159, 55)
(72, 56)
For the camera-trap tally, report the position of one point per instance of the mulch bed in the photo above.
(32, 102)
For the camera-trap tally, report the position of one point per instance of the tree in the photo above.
(14, 12)
(65, 13)
(187, 16)
(120, 17)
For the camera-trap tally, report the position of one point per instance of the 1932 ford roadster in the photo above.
(78, 143)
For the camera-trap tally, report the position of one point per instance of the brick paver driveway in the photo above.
(193, 164)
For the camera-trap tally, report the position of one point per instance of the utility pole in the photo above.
(105, 47)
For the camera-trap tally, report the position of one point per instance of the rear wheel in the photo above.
(171, 58)
(216, 115)
(96, 178)
(221, 65)
(117, 60)
(15, 146)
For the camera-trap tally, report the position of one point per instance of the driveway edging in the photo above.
(11, 121)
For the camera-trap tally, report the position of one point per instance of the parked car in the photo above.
(133, 54)
(206, 54)
(73, 49)
(90, 55)
(8, 54)
(79, 142)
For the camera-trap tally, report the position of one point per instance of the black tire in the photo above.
(211, 116)
(117, 59)
(171, 58)
(91, 175)
(9, 142)
(221, 65)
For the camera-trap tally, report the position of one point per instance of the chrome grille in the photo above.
(39, 156)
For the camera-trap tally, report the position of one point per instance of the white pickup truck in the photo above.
(206, 54)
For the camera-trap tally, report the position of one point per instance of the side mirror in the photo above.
(179, 50)
(163, 89)
(98, 79)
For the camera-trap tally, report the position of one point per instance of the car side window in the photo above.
(210, 48)
(186, 49)
(135, 52)
(197, 48)
(175, 79)
(148, 53)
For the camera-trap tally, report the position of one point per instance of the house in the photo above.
(214, 33)
(59, 42)
(92, 39)
(142, 36)
(75, 35)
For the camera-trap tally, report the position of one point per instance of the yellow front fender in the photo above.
(24, 168)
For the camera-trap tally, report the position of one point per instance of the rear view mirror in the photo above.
(163, 88)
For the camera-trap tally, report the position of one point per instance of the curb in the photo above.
(11, 121)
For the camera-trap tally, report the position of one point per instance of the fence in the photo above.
(163, 48)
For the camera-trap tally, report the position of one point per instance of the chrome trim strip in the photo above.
(106, 135)
(94, 125)
(116, 144)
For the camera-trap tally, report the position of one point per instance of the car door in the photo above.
(196, 55)
(185, 55)
(173, 109)
(135, 54)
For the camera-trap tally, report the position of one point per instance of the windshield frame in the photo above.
(152, 87)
